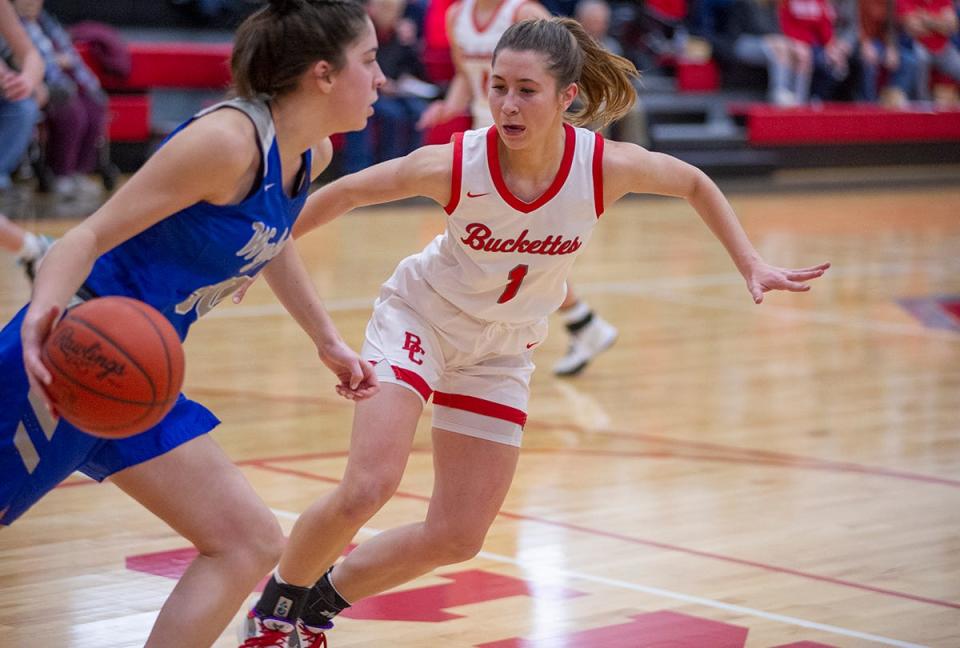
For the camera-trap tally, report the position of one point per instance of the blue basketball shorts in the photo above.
(37, 452)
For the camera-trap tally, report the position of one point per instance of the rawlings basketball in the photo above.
(117, 366)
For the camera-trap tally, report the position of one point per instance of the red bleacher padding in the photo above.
(179, 65)
(697, 76)
(847, 123)
(169, 65)
(129, 118)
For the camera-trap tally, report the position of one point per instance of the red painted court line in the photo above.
(789, 459)
(657, 545)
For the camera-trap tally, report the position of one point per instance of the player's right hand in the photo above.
(36, 328)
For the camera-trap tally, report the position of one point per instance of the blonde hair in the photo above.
(573, 56)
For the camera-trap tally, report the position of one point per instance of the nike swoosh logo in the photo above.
(473, 195)
(530, 345)
(268, 186)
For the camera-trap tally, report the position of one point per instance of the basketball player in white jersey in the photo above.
(473, 28)
(459, 321)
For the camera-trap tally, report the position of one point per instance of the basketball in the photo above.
(117, 366)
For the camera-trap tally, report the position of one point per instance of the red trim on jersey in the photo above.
(598, 175)
(456, 176)
(481, 406)
(414, 380)
(493, 161)
(493, 16)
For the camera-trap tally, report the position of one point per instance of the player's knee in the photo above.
(456, 545)
(254, 542)
(360, 499)
(264, 544)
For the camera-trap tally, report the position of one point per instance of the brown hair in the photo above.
(275, 46)
(573, 56)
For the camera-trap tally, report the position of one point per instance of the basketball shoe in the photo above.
(267, 632)
(30, 259)
(588, 341)
(308, 636)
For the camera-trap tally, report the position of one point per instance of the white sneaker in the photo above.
(586, 344)
(310, 636)
(266, 632)
(31, 262)
(87, 186)
(65, 187)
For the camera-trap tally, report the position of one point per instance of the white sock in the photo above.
(30, 249)
(576, 312)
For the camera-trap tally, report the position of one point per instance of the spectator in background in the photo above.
(751, 35)
(931, 24)
(813, 22)
(561, 7)
(77, 108)
(594, 16)
(880, 51)
(391, 132)
(21, 80)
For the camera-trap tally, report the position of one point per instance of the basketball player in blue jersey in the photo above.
(214, 205)
(459, 320)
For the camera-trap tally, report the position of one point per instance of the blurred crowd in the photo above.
(791, 52)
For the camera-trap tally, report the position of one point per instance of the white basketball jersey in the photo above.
(502, 259)
(477, 43)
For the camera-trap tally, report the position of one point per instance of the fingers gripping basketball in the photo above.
(117, 366)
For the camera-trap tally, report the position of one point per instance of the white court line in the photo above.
(663, 593)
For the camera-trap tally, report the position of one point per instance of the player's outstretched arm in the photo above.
(291, 283)
(424, 172)
(628, 168)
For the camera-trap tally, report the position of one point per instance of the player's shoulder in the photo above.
(622, 153)
(623, 160)
(226, 135)
(432, 159)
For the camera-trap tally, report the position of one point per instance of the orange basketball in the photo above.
(117, 366)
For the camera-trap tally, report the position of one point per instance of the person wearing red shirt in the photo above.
(931, 24)
(880, 50)
(812, 22)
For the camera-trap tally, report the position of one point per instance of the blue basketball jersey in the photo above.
(189, 262)
(182, 266)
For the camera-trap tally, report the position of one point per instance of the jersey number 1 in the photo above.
(516, 278)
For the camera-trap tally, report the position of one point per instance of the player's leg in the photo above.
(590, 335)
(197, 491)
(471, 479)
(383, 430)
(478, 417)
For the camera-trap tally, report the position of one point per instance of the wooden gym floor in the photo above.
(727, 475)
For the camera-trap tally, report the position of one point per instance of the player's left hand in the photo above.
(357, 380)
(763, 277)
